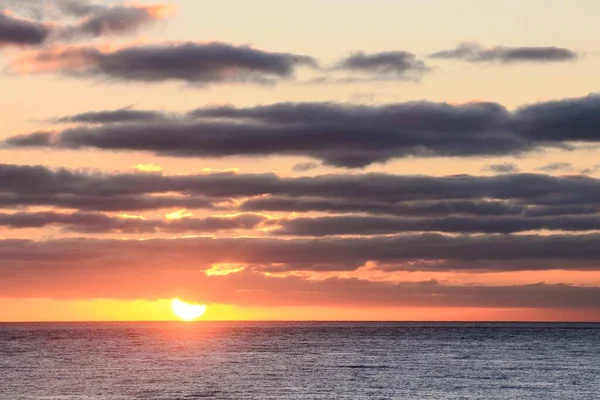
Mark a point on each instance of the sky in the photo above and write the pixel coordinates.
(314, 160)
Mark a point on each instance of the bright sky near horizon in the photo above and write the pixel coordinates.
(322, 159)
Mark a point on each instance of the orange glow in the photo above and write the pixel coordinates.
(130, 216)
(47, 310)
(51, 60)
(180, 214)
(160, 11)
(148, 168)
(220, 171)
(186, 311)
(225, 269)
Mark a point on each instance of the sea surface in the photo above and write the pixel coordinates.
(173, 361)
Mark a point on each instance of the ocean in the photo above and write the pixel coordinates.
(206, 360)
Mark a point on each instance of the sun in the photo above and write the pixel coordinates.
(187, 312)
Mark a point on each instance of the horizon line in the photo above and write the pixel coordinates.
(310, 321)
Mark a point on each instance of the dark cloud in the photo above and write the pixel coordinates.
(425, 252)
(36, 139)
(474, 52)
(99, 20)
(554, 167)
(93, 20)
(113, 116)
(21, 32)
(79, 8)
(420, 208)
(108, 203)
(574, 120)
(411, 209)
(524, 189)
(398, 64)
(101, 223)
(505, 168)
(350, 136)
(340, 135)
(543, 211)
(78, 222)
(342, 194)
(194, 63)
(373, 225)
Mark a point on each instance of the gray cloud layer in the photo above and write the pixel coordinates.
(423, 252)
(425, 208)
(554, 167)
(101, 223)
(341, 135)
(526, 189)
(374, 204)
(21, 32)
(474, 52)
(372, 225)
(194, 63)
(113, 116)
(100, 202)
(395, 64)
(99, 20)
(93, 20)
(85, 222)
(505, 168)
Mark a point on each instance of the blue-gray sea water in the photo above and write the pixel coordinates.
(172, 361)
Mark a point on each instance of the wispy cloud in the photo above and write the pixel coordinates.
(98, 223)
(193, 63)
(504, 168)
(391, 64)
(36, 23)
(99, 20)
(473, 52)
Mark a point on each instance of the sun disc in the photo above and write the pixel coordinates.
(186, 311)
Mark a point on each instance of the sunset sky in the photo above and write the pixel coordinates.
(300, 160)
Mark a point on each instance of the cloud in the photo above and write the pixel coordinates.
(303, 167)
(394, 64)
(342, 135)
(381, 194)
(53, 21)
(108, 203)
(193, 63)
(16, 31)
(417, 252)
(559, 166)
(101, 223)
(339, 135)
(377, 225)
(368, 204)
(505, 168)
(99, 20)
(574, 120)
(250, 288)
(591, 170)
(113, 116)
(524, 189)
(473, 52)
(412, 208)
